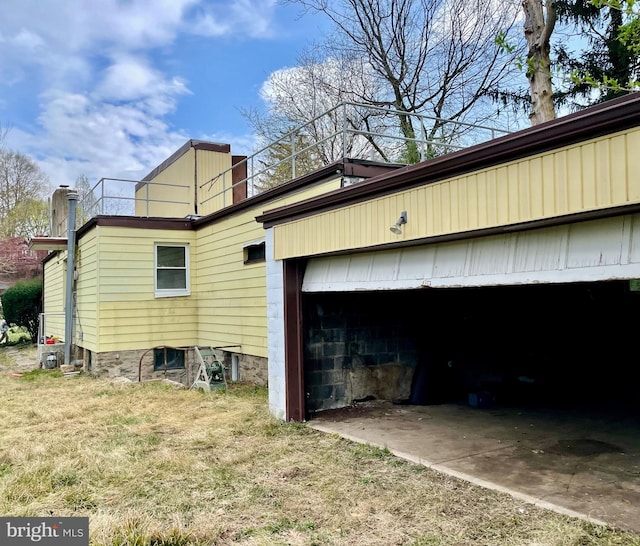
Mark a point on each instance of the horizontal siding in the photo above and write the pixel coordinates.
(181, 172)
(87, 292)
(53, 304)
(232, 297)
(129, 314)
(594, 175)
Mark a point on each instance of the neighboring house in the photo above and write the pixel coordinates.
(507, 271)
(18, 261)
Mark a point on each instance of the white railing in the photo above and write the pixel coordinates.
(303, 149)
(349, 130)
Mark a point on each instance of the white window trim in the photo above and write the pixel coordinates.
(172, 292)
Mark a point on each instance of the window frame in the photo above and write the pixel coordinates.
(172, 292)
(259, 244)
(179, 356)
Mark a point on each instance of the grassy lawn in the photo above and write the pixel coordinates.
(153, 465)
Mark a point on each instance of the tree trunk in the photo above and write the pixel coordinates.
(537, 31)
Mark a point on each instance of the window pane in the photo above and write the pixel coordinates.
(171, 256)
(172, 279)
(175, 359)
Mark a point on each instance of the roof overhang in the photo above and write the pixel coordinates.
(48, 243)
(605, 118)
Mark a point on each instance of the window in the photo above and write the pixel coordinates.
(254, 252)
(174, 359)
(172, 270)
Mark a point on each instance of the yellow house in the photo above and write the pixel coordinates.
(185, 270)
(507, 267)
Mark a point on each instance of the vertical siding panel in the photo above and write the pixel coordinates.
(560, 182)
(445, 199)
(633, 165)
(438, 222)
(419, 212)
(603, 175)
(524, 190)
(589, 185)
(430, 209)
(548, 186)
(454, 218)
(492, 198)
(502, 195)
(618, 169)
(471, 205)
(463, 203)
(513, 182)
(574, 179)
(536, 187)
(483, 213)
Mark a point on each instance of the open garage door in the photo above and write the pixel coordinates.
(588, 251)
(529, 318)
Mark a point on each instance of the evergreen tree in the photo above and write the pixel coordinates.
(602, 69)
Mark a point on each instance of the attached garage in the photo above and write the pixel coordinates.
(536, 317)
(513, 276)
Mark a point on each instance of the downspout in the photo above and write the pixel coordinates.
(68, 305)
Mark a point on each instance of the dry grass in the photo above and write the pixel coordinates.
(153, 465)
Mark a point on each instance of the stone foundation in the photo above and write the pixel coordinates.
(138, 364)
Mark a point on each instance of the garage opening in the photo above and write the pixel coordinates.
(563, 345)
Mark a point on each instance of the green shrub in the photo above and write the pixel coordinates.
(21, 305)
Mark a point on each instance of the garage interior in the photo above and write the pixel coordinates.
(551, 345)
(532, 389)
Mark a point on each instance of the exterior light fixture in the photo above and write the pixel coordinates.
(397, 227)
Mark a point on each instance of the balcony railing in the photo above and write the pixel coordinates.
(349, 130)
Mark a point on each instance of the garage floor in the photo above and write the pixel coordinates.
(581, 463)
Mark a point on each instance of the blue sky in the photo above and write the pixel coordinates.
(110, 88)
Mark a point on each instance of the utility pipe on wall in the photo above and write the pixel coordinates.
(68, 304)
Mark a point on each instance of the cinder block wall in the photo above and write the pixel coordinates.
(356, 350)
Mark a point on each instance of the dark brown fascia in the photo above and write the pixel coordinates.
(135, 222)
(350, 167)
(606, 118)
(192, 143)
(343, 167)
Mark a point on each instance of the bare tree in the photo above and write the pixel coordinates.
(540, 20)
(23, 191)
(434, 57)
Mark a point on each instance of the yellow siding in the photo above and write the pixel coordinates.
(598, 174)
(53, 305)
(177, 199)
(129, 314)
(215, 192)
(86, 328)
(232, 297)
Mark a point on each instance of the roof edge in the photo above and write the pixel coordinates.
(605, 118)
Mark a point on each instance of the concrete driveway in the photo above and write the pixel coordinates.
(581, 463)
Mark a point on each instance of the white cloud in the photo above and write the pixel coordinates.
(131, 79)
(102, 97)
(252, 18)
